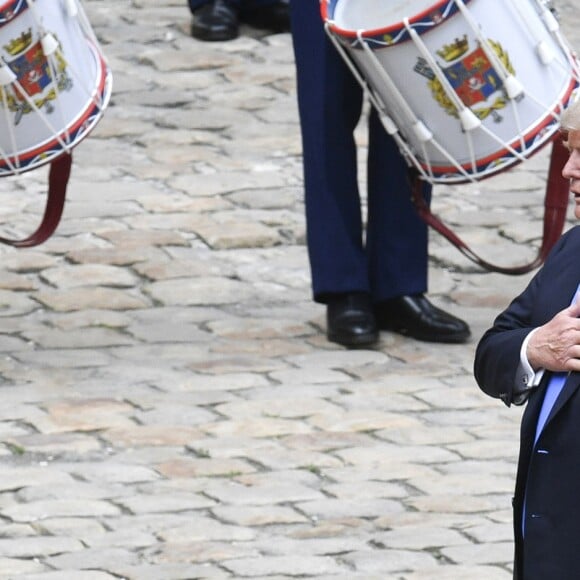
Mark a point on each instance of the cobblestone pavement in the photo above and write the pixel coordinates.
(170, 407)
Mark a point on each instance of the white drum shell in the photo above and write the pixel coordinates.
(56, 115)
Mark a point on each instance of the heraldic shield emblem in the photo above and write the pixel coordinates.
(34, 75)
(472, 76)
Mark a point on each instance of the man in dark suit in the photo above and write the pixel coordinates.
(369, 279)
(532, 353)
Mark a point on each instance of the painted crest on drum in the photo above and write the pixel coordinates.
(28, 62)
(472, 76)
(11, 10)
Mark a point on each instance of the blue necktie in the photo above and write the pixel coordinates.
(554, 388)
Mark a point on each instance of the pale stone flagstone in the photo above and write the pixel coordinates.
(171, 408)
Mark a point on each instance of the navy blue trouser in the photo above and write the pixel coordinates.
(393, 261)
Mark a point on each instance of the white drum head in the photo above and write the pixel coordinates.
(373, 14)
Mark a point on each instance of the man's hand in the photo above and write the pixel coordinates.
(555, 346)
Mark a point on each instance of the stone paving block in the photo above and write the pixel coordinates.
(73, 490)
(89, 414)
(200, 552)
(94, 559)
(204, 529)
(38, 547)
(103, 473)
(145, 504)
(188, 467)
(83, 528)
(38, 510)
(88, 318)
(362, 421)
(258, 516)
(488, 532)
(272, 544)
(367, 489)
(326, 509)
(385, 471)
(449, 572)
(223, 382)
(64, 358)
(13, 530)
(421, 538)
(171, 571)
(284, 406)
(469, 483)
(285, 459)
(387, 453)
(150, 435)
(389, 562)
(14, 478)
(328, 440)
(230, 492)
(262, 427)
(456, 503)
(75, 299)
(13, 567)
(233, 447)
(290, 565)
(69, 575)
(497, 552)
(427, 436)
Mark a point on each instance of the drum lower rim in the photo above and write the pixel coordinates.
(449, 173)
(43, 153)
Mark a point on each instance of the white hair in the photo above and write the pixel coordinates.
(571, 117)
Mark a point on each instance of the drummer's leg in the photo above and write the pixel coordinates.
(397, 238)
(330, 103)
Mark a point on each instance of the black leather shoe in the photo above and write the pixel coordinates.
(274, 17)
(216, 20)
(416, 317)
(350, 320)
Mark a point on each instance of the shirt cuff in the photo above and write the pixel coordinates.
(527, 376)
(526, 379)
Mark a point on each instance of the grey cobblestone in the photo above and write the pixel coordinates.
(171, 407)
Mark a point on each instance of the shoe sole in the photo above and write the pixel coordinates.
(358, 341)
(211, 37)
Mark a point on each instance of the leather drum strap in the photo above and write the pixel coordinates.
(555, 207)
(58, 178)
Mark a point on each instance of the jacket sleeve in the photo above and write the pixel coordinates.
(497, 357)
(497, 367)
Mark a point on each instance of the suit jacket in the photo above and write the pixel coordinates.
(548, 474)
